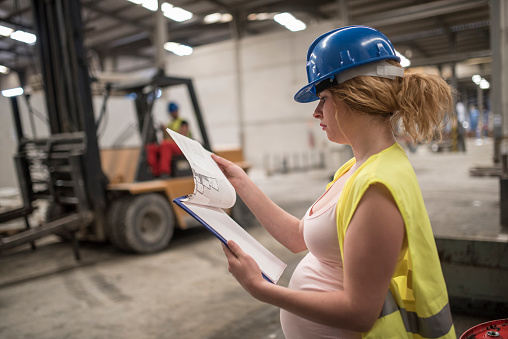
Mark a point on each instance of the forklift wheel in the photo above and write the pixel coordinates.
(111, 228)
(145, 223)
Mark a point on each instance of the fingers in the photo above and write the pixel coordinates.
(219, 160)
(227, 252)
(235, 249)
(230, 256)
(232, 249)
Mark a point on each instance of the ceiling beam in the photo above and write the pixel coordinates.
(417, 12)
(114, 15)
(446, 59)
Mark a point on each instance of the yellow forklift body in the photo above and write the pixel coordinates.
(119, 165)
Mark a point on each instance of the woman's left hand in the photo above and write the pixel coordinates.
(244, 268)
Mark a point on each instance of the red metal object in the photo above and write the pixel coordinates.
(495, 329)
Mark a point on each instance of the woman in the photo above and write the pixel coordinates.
(372, 269)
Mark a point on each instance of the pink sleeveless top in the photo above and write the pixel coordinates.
(320, 270)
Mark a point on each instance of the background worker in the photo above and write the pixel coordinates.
(372, 270)
(176, 124)
(160, 157)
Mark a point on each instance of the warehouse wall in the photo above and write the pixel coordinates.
(252, 100)
(271, 70)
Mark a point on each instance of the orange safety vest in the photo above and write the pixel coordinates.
(416, 305)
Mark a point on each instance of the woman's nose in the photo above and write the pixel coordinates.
(318, 112)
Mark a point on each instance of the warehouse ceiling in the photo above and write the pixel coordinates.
(428, 32)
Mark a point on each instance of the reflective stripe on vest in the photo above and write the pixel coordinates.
(432, 327)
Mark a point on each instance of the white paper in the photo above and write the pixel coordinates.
(212, 193)
(211, 185)
(271, 266)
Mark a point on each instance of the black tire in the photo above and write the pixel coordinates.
(145, 223)
(242, 214)
(112, 217)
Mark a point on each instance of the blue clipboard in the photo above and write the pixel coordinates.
(180, 204)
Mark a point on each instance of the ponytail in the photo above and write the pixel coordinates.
(417, 103)
(424, 101)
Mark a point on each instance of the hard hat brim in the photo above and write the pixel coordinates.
(307, 93)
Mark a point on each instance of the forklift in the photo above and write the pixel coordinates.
(96, 194)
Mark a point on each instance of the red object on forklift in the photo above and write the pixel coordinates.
(492, 329)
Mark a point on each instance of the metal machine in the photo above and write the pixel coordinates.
(94, 194)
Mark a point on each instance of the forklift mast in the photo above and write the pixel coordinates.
(67, 85)
(64, 169)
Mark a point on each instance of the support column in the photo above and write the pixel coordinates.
(481, 115)
(499, 47)
(237, 30)
(160, 37)
(499, 88)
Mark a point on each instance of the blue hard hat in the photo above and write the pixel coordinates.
(340, 50)
(172, 107)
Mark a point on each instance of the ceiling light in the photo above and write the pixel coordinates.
(4, 70)
(170, 11)
(217, 17)
(481, 82)
(152, 5)
(6, 31)
(260, 16)
(12, 92)
(25, 37)
(226, 17)
(212, 18)
(484, 84)
(177, 48)
(175, 13)
(289, 21)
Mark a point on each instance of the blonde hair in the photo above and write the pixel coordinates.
(419, 103)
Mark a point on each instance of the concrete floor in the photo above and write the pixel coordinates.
(186, 291)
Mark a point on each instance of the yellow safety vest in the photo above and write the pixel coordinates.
(175, 126)
(416, 304)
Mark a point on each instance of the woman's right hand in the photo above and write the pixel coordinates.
(235, 174)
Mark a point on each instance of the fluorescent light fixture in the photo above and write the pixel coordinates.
(12, 92)
(226, 17)
(289, 21)
(6, 31)
(481, 82)
(404, 62)
(152, 5)
(217, 17)
(175, 13)
(4, 70)
(260, 16)
(25, 37)
(212, 18)
(170, 11)
(177, 48)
